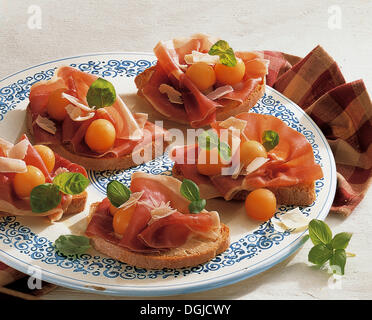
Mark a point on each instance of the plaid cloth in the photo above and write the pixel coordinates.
(343, 111)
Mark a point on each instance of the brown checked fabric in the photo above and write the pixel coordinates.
(343, 111)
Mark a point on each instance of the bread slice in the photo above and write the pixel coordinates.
(230, 107)
(106, 162)
(193, 252)
(298, 195)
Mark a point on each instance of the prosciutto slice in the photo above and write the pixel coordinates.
(290, 163)
(198, 109)
(171, 231)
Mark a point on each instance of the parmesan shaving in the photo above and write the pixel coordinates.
(196, 56)
(293, 220)
(76, 102)
(174, 95)
(162, 211)
(255, 164)
(77, 114)
(12, 165)
(5, 146)
(133, 199)
(46, 124)
(236, 123)
(19, 150)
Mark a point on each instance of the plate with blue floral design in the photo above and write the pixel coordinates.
(26, 244)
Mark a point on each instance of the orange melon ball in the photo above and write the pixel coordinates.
(47, 155)
(250, 150)
(122, 218)
(230, 75)
(100, 135)
(24, 182)
(260, 204)
(202, 75)
(57, 104)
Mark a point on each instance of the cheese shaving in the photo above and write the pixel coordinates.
(236, 123)
(76, 102)
(196, 56)
(255, 164)
(162, 211)
(46, 124)
(77, 114)
(133, 199)
(293, 220)
(8, 165)
(174, 95)
(19, 150)
(5, 146)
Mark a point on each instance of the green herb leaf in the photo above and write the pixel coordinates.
(222, 49)
(197, 205)
(338, 261)
(208, 139)
(71, 182)
(117, 193)
(319, 232)
(190, 190)
(45, 197)
(270, 139)
(225, 151)
(72, 244)
(101, 94)
(341, 240)
(320, 254)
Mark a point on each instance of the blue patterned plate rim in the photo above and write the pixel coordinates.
(187, 287)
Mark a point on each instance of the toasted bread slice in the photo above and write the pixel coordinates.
(105, 162)
(298, 195)
(193, 252)
(230, 107)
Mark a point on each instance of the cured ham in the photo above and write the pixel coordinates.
(145, 234)
(290, 163)
(10, 203)
(131, 129)
(199, 109)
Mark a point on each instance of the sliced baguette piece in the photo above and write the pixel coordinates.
(298, 195)
(193, 252)
(103, 163)
(230, 107)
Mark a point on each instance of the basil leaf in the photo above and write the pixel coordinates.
(190, 190)
(208, 140)
(71, 182)
(270, 139)
(225, 151)
(222, 49)
(101, 94)
(45, 197)
(338, 261)
(117, 193)
(319, 232)
(72, 244)
(341, 240)
(319, 254)
(197, 205)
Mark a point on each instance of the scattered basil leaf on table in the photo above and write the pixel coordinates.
(222, 49)
(328, 248)
(190, 191)
(71, 182)
(101, 94)
(270, 139)
(117, 193)
(72, 244)
(45, 197)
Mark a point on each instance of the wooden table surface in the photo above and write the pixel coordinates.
(343, 28)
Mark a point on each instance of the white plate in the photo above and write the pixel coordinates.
(26, 244)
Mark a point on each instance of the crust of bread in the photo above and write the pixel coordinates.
(298, 195)
(230, 107)
(193, 252)
(77, 204)
(103, 163)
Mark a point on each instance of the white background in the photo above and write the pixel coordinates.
(72, 27)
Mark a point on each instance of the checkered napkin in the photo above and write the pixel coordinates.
(343, 111)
